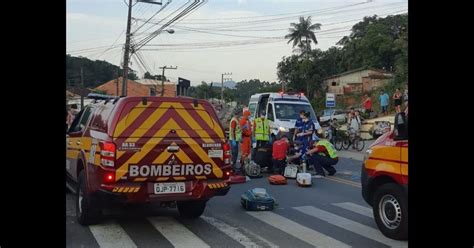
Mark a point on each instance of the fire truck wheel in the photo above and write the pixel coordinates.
(191, 209)
(390, 209)
(85, 211)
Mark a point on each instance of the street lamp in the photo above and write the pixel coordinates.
(170, 31)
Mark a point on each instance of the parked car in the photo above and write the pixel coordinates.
(380, 128)
(329, 114)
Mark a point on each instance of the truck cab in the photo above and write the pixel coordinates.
(384, 179)
(132, 150)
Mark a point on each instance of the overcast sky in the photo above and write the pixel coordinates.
(244, 37)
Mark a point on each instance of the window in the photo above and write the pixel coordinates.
(333, 84)
(288, 111)
(270, 112)
(252, 107)
(80, 121)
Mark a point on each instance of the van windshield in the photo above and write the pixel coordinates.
(290, 111)
(252, 108)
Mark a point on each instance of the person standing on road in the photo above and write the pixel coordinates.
(397, 100)
(235, 136)
(262, 130)
(298, 125)
(308, 128)
(279, 151)
(246, 130)
(323, 155)
(383, 102)
(333, 127)
(354, 125)
(367, 104)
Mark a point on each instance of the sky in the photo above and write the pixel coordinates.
(242, 37)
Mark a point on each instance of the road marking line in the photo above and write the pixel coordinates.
(235, 234)
(176, 233)
(350, 225)
(111, 235)
(306, 234)
(355, 208)
(340, 180)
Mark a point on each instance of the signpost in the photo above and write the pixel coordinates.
(330, 100)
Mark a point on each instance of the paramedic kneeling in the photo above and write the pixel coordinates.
(279, 150)
(323, 155)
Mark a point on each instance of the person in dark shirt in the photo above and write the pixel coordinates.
(299, 124)
(295, 153)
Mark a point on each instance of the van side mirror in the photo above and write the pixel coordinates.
(401, 126)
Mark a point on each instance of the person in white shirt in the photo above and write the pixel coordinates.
(355, 123)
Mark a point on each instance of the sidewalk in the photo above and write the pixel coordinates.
(352, 154)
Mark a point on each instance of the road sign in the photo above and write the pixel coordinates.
(330, 100)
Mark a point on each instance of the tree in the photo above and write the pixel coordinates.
(95, 72)
(302, 34)
(155, 77)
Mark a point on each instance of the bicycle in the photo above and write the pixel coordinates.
(338, 139)
(355, 140)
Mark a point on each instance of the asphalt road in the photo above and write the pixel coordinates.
(331, 213)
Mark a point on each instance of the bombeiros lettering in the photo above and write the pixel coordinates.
(169, 170)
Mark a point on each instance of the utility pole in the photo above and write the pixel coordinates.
(163, 77)
(222, 86)
(127, 50)
(82, 86)
(117, 81)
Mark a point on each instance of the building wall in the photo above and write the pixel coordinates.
(355, 77)
(359, 81)
(135, 89)
(369, 84)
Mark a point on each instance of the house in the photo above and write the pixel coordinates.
(155, 87)
(358, 80)
(135, 88)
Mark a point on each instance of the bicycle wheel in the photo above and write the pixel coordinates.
(359, 144)
(346, 144)
(338, 143)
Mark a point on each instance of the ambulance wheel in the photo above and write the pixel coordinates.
(390, 209)
(191, 209)
(85, 212)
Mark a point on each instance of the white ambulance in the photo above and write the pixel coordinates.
(281, 110)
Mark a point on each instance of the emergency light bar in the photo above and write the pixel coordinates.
(96, 96)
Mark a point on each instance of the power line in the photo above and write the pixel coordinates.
(163, 7)
(336, 11)
(196, 4)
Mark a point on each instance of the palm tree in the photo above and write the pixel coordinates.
(302, 33)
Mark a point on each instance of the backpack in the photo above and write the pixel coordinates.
(252, 169)
(257, 199)
(277, 179)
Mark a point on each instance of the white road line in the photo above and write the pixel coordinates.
(306, 234)
(350, 225)
(111, 235)
(235, 234)
(176, 233)
(355, 208)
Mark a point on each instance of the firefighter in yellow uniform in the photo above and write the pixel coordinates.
(235, 137)
(262, 130)
(323, 155)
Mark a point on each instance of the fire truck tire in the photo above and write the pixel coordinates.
(191, 209)
(86, 213)
(390, 209)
